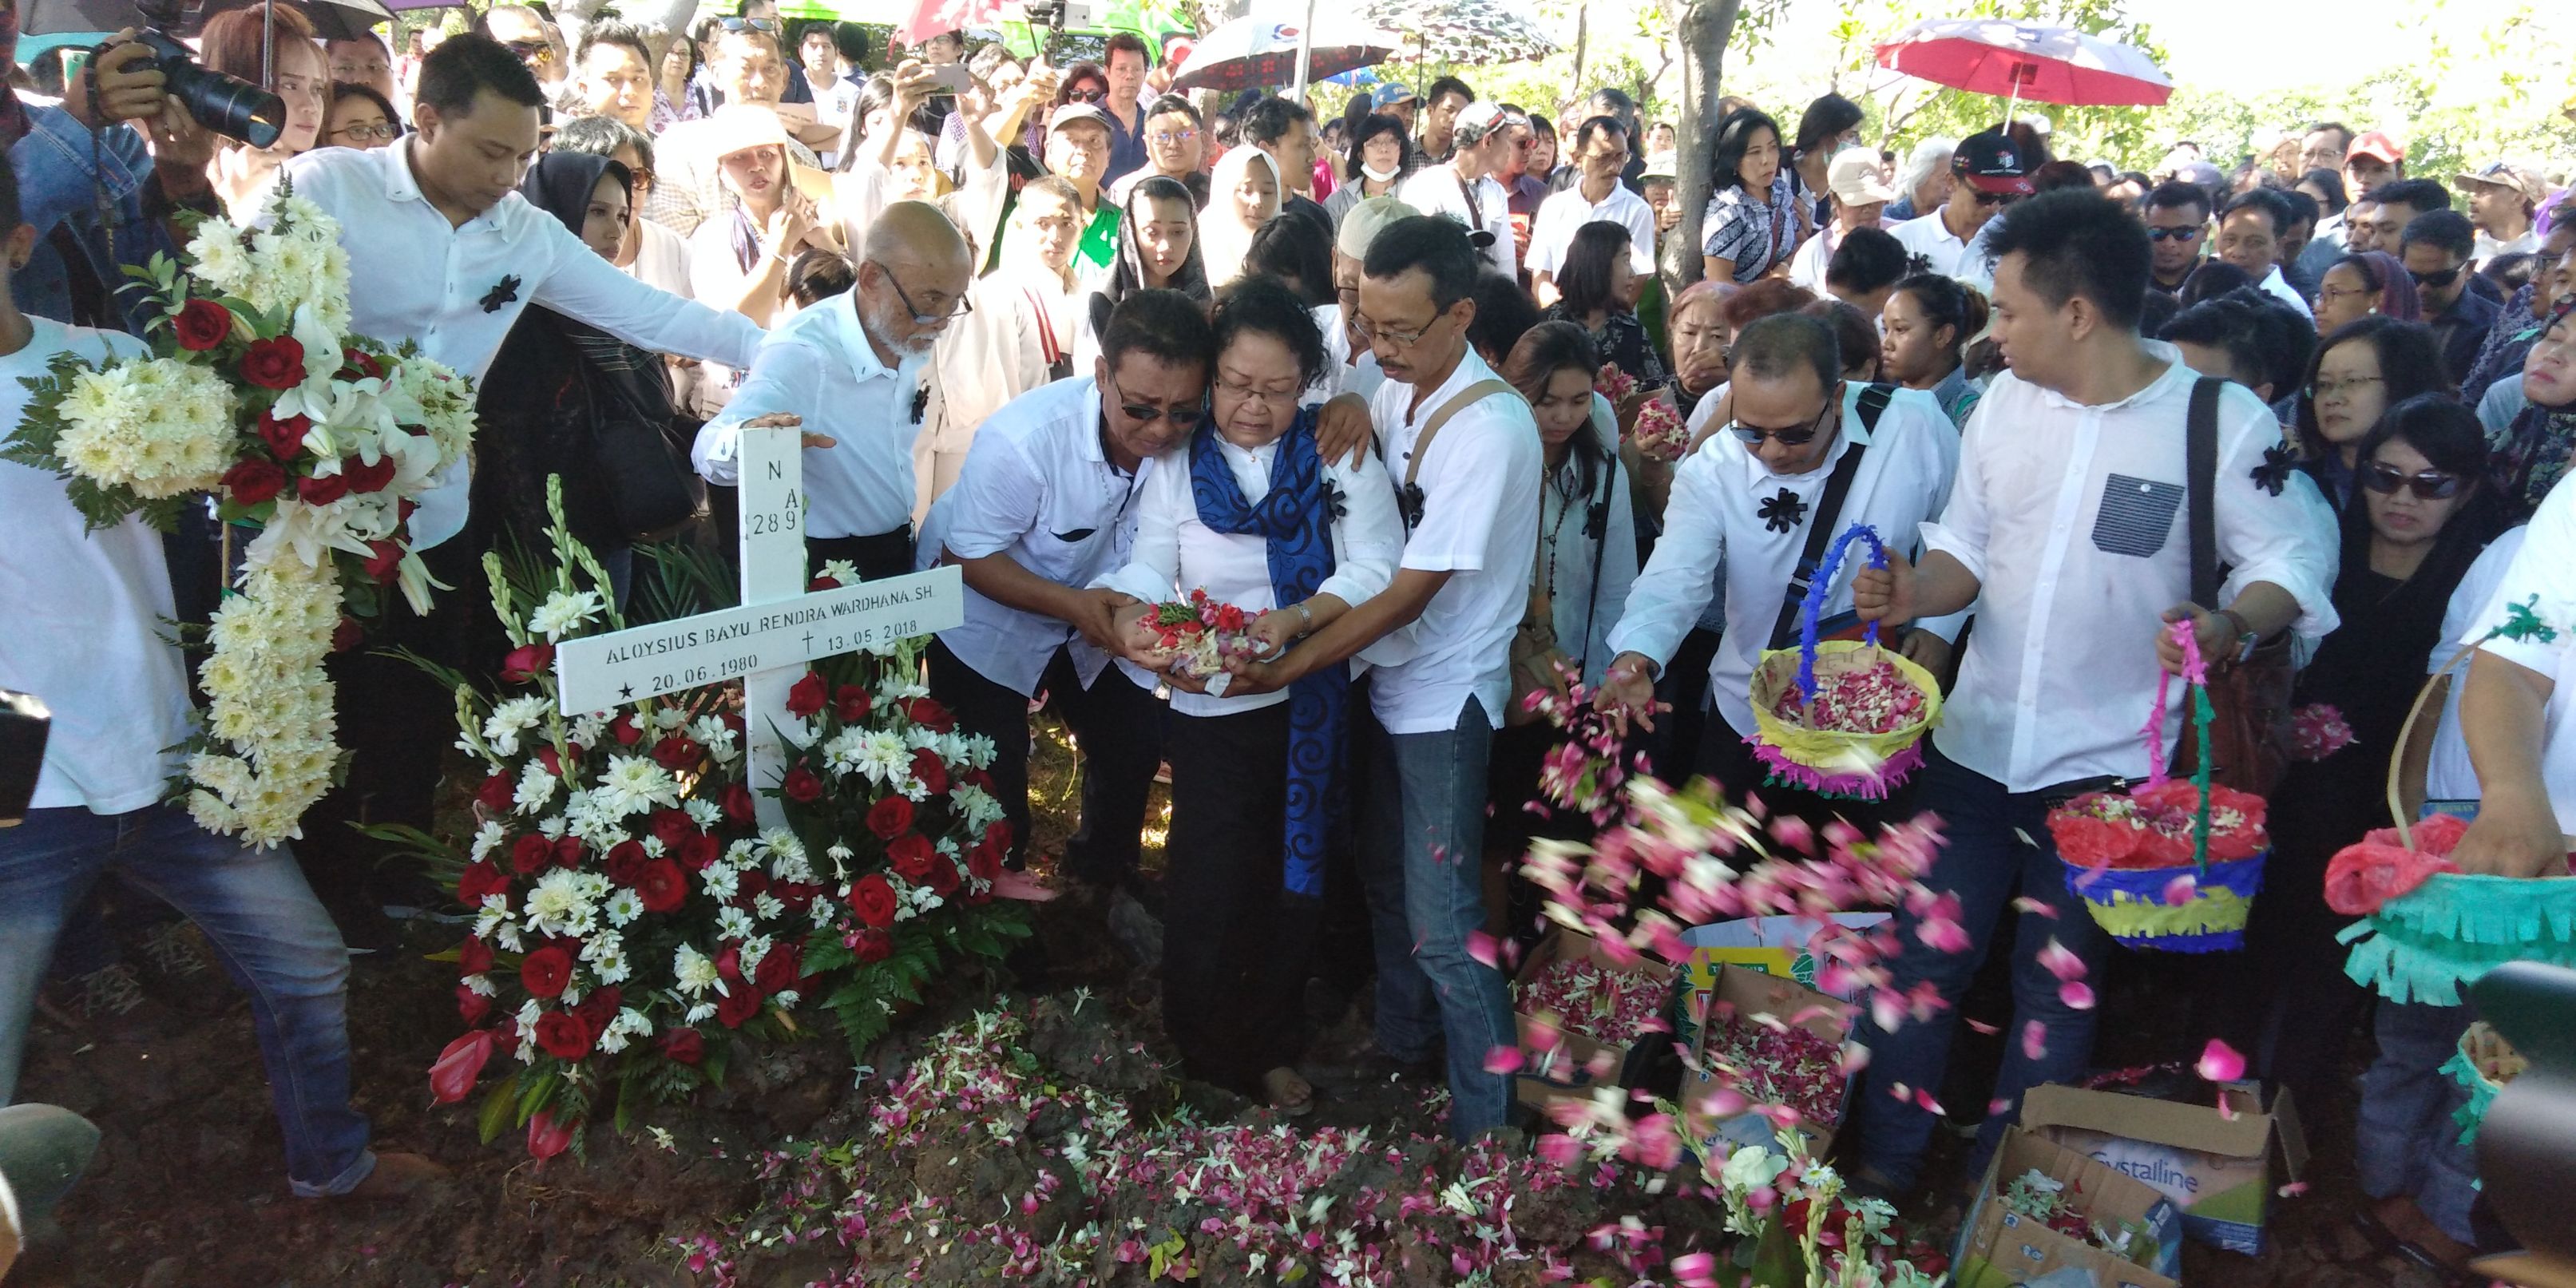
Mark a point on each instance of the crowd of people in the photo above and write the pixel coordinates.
(1097, 344)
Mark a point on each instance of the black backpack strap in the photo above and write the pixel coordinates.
(1873, 404)
(2200, 452)
(1820, 531)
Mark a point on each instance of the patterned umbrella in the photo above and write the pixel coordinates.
(1463, 31)
(1257, 52)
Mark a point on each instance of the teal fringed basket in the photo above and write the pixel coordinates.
(2429, 944)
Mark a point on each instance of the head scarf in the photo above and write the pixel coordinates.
(1227, 240)
(1127, 266)
(2397, 298)
(560, 184)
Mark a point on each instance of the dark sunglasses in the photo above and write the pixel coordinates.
(1798, 437)
(1183, 419)
(2438, 280)
(2431, 485)
(2172, 234)
(1998, 198)
(1085, 95)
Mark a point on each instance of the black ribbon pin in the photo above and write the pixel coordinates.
(502, 292)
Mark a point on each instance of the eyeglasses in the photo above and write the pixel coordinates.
(2324, 389)
(1368, 330)
(1798, 437)
(1085, 95)
(2191, 233)
(1172, 138)
(1183, 419)
(366, 133)
(1284, 399)
(755, 24)
(2431, 485)
(2328, 294)
(964, 305)
(1998, 198)
(2438, 280)
(533, 51)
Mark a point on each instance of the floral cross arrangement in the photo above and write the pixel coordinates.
(319, 439)
(2037, 1196)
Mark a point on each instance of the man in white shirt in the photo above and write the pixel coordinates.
(2525, 756)
(1600, 153)
(1463, 188)
(1989, 175)
(1808, 455)
(2067, 528)
(86, 618)
(1044, 506)
(2504, 206)
(1018, 336)
(2250, 235)
(849, 370)
(1350, 362)
(444, 253)
(614, 74)
(1859, 198)
(1471, 507)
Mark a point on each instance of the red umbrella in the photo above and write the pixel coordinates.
(2020, 61)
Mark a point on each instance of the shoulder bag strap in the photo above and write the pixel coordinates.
(1408, 494)
(2201, 463)
(1596, 525)
(1820, 532)
(1873, 404)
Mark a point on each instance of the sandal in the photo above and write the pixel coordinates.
(1284, 1091)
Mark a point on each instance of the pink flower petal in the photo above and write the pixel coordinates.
(1503, 1059)
(1998, 1105)
(1989, 1030)
(2034, 1040)
(1695, 1270)
(1481, 947)
(2061, 961)
(2220, 1062)
(2035, 907)
(2077, 994)
(2181, 890)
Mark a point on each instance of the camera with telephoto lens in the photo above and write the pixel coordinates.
(228, 105)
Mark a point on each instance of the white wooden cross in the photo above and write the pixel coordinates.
(777, 630)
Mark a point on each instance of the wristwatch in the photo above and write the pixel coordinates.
(2246, 639)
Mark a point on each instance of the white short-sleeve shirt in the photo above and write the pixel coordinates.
(1565, 213)
(2543, 573)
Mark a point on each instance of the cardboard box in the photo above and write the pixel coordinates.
(1743, 992)
(2221, 1171)
(1999, 1248)
(1771, 945)
(1567, 1071)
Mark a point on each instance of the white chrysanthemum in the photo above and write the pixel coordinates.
(158, 427)
(502, 728)
(700, 1013)
(536, 787)
(507, 938)
(768, 906)
(721, 882)
(692, 972)
(219, 259)
(734, 923)
(481, 986)
(883, 758)
(702, 811)
(623, 908)
(667, 719)
(635, 783)
(754, 948)
(489, 837)
(563, 611)
(563, 901)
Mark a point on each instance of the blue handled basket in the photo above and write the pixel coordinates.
(1833, 762)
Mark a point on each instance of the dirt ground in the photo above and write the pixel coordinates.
(189, 1192)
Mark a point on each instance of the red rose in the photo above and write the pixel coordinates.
(202, 325)
(274, 364)
(598, 1010)
(321, 489)
(527, 662)
(983, 862)
(473, 957)
(801, 785)
(367, 478)
(530, 854)
(252, 480)
(779, 970)
(738, 1005)
(749, 884)
(384, 560)
(930, 769)
(553, 760)
(943, 876)
(873, 900)
(628, 733)
(979, 778)
(890, 818)
(930, 715)
(729, 962)
(737, 802)
(567, 851)
(480, 878)
(698, 851)
(821, 583)
(495, 794)
(850, 702)
(546, 971)
(806, 697)
(561, 1034)
(663, 886)
(1229, 618)
(678, 754)
(795, 894)
(911, 855)
(671, 826)
(285, 438)
(684, 1045)
(347, 635)
(546, 1137)
(998, 835)
(358, 364)
(471, 1006)
(626, 861)
(870, 945)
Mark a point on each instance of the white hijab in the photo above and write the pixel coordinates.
(1223, 235)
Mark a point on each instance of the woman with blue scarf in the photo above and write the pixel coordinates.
(1248, 512)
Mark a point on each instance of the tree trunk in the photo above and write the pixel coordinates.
(1701, 31)
(1582, 40)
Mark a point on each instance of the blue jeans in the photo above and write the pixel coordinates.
(2405, 1142)
(266, 927)
(1997, 846)
(1422, 843)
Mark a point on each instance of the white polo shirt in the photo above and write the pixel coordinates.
(820, 366)
(1480, 487)
(2279, 288)
(2545, 568)
(1565, 213)
(2448, 775)
(1949, 256)
(86, 613)
(2073, 519)
(1727, 518)
(1437, 191)
(1036, 486)
(456, 289)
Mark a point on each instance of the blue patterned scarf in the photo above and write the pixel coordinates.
(1295, 518)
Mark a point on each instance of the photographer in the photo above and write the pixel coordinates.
(64, 157)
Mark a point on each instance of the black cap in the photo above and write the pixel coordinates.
(1988, 162)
